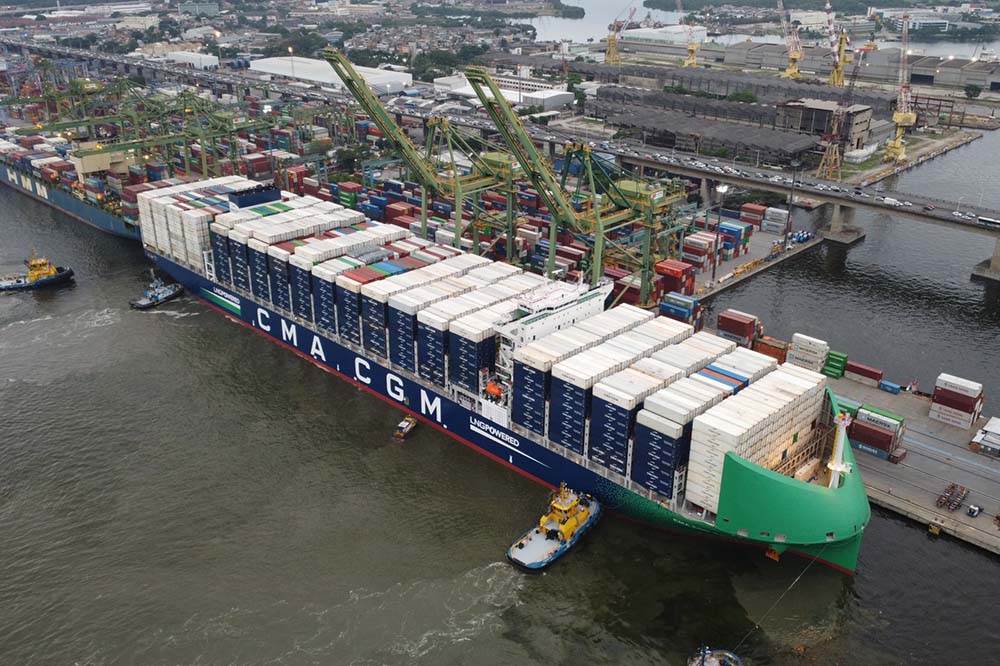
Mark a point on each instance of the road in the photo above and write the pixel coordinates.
(975, 218)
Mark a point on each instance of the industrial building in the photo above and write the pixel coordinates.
(382, 81)
(672, 129)
(195, 60)
(668, 34)
(516, 89)
(814, 116)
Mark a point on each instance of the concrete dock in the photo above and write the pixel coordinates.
(937, 455)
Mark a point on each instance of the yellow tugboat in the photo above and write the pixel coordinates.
(41, 273)
(570, 516)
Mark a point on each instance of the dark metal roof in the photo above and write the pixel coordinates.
(673, 122)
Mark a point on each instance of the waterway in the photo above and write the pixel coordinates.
(594, 27)
(175, 489)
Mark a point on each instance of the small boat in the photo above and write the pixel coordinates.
(157, 293)
(41, 273)
(570, 516)
(404, 428)
(707, 656)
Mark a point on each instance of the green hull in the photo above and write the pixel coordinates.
(775, 512)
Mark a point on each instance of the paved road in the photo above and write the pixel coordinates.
(983, 220)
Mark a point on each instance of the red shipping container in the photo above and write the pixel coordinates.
(872, 435)
(737, 324)
(864, 370)
(955, 400)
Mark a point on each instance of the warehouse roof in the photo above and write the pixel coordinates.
(730, 133)
(320, 71)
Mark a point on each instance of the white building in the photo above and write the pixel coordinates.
(382, 81)
(196, 60)
(669, 34)
(808, 20)
(138, 22)
(549, 100)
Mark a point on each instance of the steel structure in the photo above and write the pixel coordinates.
(611, 54)
(490, 170)
(904, 116)
(603, 207)
(791, 35)
(691, 59)
(831, 165)
(838, 49)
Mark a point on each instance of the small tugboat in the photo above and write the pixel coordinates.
(404, 428)
(570, 516)
(157, 293)
(707, 656)
(41, 273)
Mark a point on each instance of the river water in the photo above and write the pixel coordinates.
(177, 490)
(594, 27)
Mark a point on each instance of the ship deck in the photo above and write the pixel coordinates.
(937, 455)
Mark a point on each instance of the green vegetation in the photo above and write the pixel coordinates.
(744, 96)
(565, 11)
(984, 33)
(303, 43)
(769, 199)
(568, 11)
(973, 91)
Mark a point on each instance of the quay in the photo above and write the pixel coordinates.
(937, 455)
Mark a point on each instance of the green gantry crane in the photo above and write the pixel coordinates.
(490, 170)
(607, 205)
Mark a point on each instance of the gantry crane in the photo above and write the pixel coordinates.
(831, 165)
(691, 60)
(791, 35)
(612, 56)
(490, 171)
(904, 116)
(608, 208)
(838, 49)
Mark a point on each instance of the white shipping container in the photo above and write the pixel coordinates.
(958, 385)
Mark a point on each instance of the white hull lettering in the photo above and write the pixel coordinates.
(316, 349)
(430, 407)
(263, 316)
(362, 377)
(394, 388)
(289, 333)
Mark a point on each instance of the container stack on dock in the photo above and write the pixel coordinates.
(683, 308)
(775, 221)
(809, 353)
(864, 374)
(836, 364)
(740, 327)
(957, 402)
(877, 432)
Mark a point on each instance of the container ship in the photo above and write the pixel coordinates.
(681, 430)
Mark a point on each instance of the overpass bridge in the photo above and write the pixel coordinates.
(845, 199)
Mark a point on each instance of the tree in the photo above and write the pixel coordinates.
(744, 96)
(972, 91)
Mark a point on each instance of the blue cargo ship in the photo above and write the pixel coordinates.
(428, 347)
(63, 200)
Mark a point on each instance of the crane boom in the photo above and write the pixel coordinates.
(904, 116)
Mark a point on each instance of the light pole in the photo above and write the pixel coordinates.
(721, 189)
(291, 60)
(218, 47)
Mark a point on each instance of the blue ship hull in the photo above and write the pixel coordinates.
(63, 201)
(433, 405)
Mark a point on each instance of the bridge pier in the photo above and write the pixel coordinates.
(989, 269)
(841, 229)
(706, 193)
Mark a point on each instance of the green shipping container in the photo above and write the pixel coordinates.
(886, 414)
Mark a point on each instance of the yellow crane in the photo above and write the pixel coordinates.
(692, 46)
(904, 116)
(838, 49)
(611, 54)
(791, 35)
